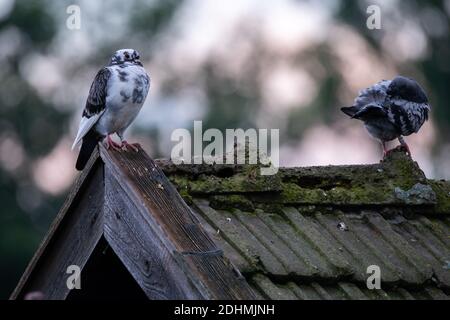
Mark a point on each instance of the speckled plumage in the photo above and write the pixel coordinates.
(127, 89)
(391, 109)
(115, 98)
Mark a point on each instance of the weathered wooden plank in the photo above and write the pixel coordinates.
(71, 239)
(138, 245)
(175, 225)
(152, 188)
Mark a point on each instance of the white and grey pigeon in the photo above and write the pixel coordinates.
(115, 98)
(391, 109)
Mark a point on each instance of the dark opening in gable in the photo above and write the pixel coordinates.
(104, 277)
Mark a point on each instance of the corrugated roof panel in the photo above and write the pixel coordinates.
(240, 238)
(376, 239)
(232, 253)
(304, 248)
(270, 290)
(350, 241)
(273, 243)
(399, 244)
(435, 293)
(342, 290)
(405, 295)
(377, 294)
(428, 240)
(324, 241)
(352, 291)
(311, 245)
(328, 293)
(324, 248)
(304, 292)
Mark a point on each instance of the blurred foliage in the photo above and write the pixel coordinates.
(26, 212)
(25, 117)
(151, 19)
(34, 20)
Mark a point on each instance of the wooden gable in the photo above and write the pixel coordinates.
(124, 218)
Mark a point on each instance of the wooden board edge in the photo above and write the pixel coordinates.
(79, 182)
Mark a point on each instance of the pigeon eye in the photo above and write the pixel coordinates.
(127, 56)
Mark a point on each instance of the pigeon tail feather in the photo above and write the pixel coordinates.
(350, 111)
(370, 112)
(88, 145)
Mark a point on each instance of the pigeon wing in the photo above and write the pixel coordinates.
(407, 116)
(370, 102)
(374, 95)
(95, 104)
(408, 105)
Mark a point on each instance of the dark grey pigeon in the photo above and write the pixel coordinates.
(115, 99)
(391, 109)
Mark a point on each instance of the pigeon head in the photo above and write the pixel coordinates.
(407, 89)
(123, 56)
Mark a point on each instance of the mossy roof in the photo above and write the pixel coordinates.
(311, 233)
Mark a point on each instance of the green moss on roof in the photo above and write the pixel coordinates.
(442, 191)
(232, 202)
(396, 181)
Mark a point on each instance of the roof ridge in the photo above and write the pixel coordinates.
(397, 181)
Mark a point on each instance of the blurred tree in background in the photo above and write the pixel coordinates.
(270, 64)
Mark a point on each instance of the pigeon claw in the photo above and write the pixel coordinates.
(110, 144)
(388, 152)
(126, 146)
(403, 148)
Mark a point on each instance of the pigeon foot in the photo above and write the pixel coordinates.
(402, 148)
(126, 146)
(110, 144)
